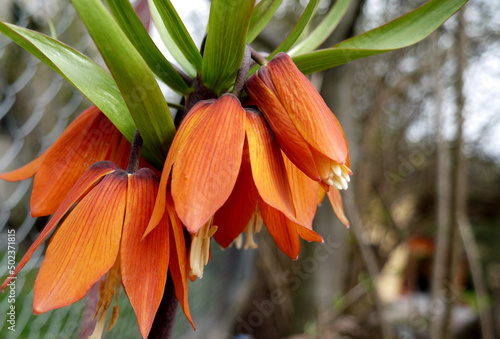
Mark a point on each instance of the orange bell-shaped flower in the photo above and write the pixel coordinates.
(102, 222)
(90, 138)
(307, 131)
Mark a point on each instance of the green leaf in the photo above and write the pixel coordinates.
(83, 73)
(133, 77)
(169, 43)
(399, 33)
(130, 23)
(178, 32)
(323, 30)
(262, 13)
(297, 30)
(226, 41)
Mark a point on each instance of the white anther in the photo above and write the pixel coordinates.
(336, 169)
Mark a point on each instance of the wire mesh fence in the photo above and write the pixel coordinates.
(36, 105)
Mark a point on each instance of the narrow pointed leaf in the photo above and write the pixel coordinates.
(226, 41)
(88, 77)
(262, 13)
(323, 30)
(399, 33)
(130, 23)
(297, 30)
(178, 32)
(169, 42)
(133, 77)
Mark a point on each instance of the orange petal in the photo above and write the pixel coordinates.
(268, 169)
(144, 264)
(85, 142)
(178, 265)
(234, 215)
(188, 125)
(283, 231)
(81, 188)
(336, 202)
(308, 234)
(288, 137)
(25, 172)
(307, 109)
(321, 196)
(323, 163)
(84, 247)
(304, 193)
(208, 162)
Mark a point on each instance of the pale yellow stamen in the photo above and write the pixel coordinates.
(254, 226)
(346, 172)
(238, 242)
(200, 248)
(108, 287)
(339, 176)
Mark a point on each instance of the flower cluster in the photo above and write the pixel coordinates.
(230, 169)
(234, 167)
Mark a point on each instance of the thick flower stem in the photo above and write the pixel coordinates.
(187, 79)
(135, 153)
(200, 93)
(258, 57)
(163, 325)
(242, 73)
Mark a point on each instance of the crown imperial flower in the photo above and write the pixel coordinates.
(102, 222)
(90, 138)
(306, 130)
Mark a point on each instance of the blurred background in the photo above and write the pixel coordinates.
(421, 258)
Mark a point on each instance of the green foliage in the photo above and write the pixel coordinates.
(88, 77)
(297, 30)
(262, 13)
(402, 32)
(131, 98)
(178, 32)
(135, 31)
(133, 77)
(226, 41)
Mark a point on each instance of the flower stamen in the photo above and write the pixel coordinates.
(339, 176)
(200, 248)
(108, 287)
(253, 227)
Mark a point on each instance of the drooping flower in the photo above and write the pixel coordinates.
(102, 222)
(307, 131)
(90, 138)
(222, 148)
(265, 170)
(201, 168)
